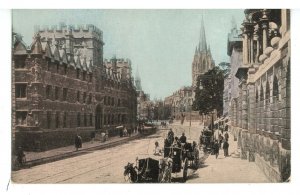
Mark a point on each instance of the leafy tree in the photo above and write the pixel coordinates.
(226, 68)
(209, 92)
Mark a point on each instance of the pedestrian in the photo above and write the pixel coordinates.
(220, 140)
(176, 142)
(225, 148)
(216, 148)
(77, 142)
(157, 150)
(20, 156)
(171, 136)
(182, 139)
(226, 136)
(93, 135)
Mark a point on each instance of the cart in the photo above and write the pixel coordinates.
(149, 170)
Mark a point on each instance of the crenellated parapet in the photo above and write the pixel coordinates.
(62, 29)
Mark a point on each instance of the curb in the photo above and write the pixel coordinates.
(49, 159)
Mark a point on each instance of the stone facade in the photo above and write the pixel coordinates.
(181, 102)
(262, 108)
(234, 51)
(143, 100)
(60, 88)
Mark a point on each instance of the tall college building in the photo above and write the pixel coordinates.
(61, 86)
(261, 112)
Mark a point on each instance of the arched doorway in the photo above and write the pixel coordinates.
(98, 117)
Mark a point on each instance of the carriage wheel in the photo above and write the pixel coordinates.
(185, 168)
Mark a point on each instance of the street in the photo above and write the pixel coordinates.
(107, 166)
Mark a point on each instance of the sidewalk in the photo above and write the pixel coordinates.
(36, 158)
(230, 169)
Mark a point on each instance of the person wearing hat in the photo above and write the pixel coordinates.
(182, 139)
(216, 148)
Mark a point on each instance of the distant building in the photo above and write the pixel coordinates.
(143, 100)
(181, 102)
(61, 87)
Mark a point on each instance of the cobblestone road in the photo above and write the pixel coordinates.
(107, 166)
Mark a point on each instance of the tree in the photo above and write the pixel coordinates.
(209, 92)
(226, 68)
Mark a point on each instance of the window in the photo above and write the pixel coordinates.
(119, 102)
(90, 99)
(56, 93)
(108, 101)
(65, 94)
(65, 69)
(57, 120)
(21, 117)
(105, 100)
(91, 119)
(261, 93)
(267, 92)
(112, 101)
(90, 77)
(19, 63)
(84, 97)
(84, 75)
(108, 120)
(57, 67)
(78, 96)
(48, 92)
(77, 73)
(48, 65)
(78, 119)
(256, 96)
(85, 119)
(112, 119)
(48, 120)
(65, 120)
(21, 90)
(105, 120)
(275, 88)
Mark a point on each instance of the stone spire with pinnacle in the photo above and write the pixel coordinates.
(202, 41)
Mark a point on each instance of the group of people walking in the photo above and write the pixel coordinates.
(221, 142)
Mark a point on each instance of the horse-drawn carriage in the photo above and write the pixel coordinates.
(206, 139)
(151, 170)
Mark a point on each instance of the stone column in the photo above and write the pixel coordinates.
(265, 26)
(244, 105)
(245, 49)
(251, 107)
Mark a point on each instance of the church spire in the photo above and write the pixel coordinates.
(202, 42)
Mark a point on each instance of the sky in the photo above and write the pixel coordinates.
(160, 43)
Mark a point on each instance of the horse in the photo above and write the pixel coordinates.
(131, 173)
(166, 165)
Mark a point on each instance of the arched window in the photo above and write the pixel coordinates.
(78, 119)
(275, 88)
(256, 96)
(261, 93)
(267, 91)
